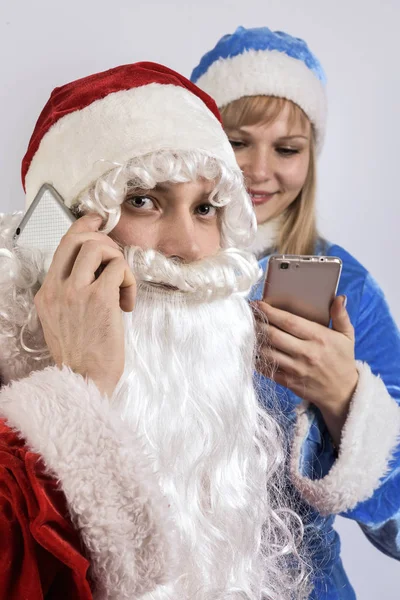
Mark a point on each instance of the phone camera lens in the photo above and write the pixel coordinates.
(284, 265)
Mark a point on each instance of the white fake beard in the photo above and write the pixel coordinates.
(188, 390)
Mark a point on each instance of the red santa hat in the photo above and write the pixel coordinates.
(114, 116)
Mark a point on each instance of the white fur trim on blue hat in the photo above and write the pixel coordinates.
(254, 62)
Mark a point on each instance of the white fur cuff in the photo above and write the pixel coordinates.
(110, 488)
(369, 438)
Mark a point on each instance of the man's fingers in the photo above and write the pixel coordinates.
(67, 251)
(69, 248)
(89, 222)
(91, 256)
(118, 274)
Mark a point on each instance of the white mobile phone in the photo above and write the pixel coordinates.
(303, 285)
(45, 222)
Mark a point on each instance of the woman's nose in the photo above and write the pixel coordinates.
(258, 168)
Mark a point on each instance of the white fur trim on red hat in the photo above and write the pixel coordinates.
(85, 144)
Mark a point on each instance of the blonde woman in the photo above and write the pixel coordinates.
(338, 387)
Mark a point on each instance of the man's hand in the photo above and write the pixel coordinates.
(315, 362)
(81, 315)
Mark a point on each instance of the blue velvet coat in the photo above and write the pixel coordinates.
(378, 344)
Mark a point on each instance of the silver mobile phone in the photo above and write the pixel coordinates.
(303, 285)
(45, 222)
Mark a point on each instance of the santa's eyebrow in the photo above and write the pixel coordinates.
(163, 187)
(137, 189)
(168, 187)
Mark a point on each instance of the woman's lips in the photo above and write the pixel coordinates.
(260, 197)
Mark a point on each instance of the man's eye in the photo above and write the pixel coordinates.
(236, 145)
(206, 210)
(143, 202)
(287, 151)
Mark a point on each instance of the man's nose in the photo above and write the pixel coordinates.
(178, 239)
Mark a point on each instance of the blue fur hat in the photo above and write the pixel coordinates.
(258, 61)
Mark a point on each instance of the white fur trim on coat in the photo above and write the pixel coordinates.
(268, 73)
(85, 144)
(266, 237)
(369, 438)
(112, 493)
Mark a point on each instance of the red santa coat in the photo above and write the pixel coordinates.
(110, 520)
(41, 554)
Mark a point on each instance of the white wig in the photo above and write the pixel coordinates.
(145, 172)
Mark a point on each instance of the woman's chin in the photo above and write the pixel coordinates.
(264, 214)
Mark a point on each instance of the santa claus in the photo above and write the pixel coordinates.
(135, 460)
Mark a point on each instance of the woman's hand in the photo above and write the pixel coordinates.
(315, 362)
(81, 315)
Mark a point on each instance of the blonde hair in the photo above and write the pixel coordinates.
(298, 232)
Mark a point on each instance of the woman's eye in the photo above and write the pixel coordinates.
(287, 151)
(236, 145)
(143, 202)
(206, 210)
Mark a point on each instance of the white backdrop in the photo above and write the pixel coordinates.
(46, 43)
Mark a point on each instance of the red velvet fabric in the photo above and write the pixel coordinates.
(79, 94)
(40, 551)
